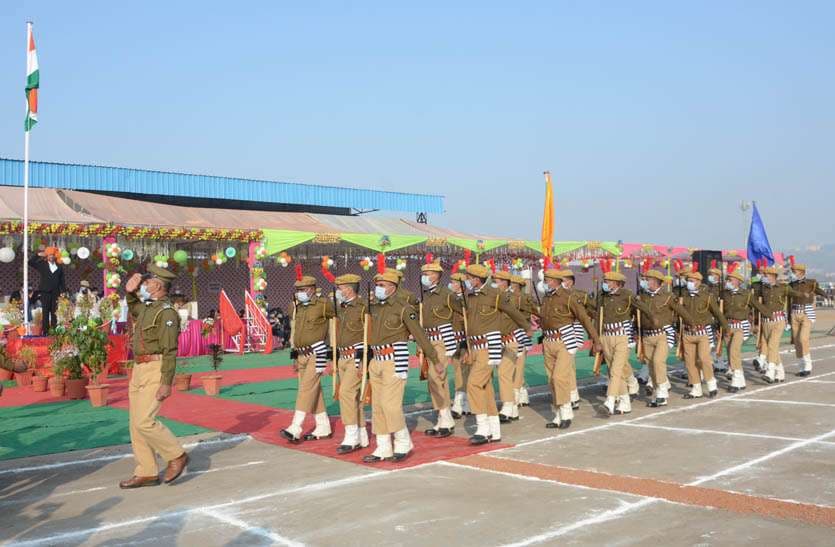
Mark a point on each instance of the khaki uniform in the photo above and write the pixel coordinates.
(773, 309)
(618, 309)
(582, 298)
(438, 309)
(507, 367)
(156, 328)
(310, 326)
(702, 310)
(800, 322)
(349, 318)
(560, 309)
(736, 307)
(525, 304)
(460, 364)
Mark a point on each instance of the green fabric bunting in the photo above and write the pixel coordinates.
(473, 244)
(276, 241)
(383, 243)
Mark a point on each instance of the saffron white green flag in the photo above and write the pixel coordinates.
(33, 80)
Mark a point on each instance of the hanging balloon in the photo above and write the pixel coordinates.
(231, 252)
(65, 260)
(161, 261)
(180, 256)
(6, 255)
(83, 253)
(127, 254)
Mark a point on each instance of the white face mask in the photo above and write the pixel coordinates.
(605, 287)
(450, 287)
(494, 285)
(729, 286)
(340, 297)
(691, 286)
(468, 284)
(565, 285)
(766, 280)
(380, 293)
(303, 297)
(143, 293)
(793, 276)
(425, 281)
(542, 287)
(644, 284)
(713, 279)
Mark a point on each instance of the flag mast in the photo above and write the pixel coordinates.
(26, 193)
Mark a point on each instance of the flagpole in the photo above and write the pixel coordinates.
(26, 201)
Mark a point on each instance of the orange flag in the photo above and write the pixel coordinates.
(547, 240)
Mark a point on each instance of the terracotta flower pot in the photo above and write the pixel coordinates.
(102, 377)
(98, 394)
(39, 384)
(182, 382)
(5, 374)
(23, 378)
(56, 386)
(211, 384)
(75, 388)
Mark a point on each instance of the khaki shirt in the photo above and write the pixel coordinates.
(617, 307)
(310, 321)
(439, 307)
(561, 308)
(659, 309)
(486, 309)
(702, 308)
(349, 321)
(392, 321)
(736, 305)
(156, 330)
(807, 288)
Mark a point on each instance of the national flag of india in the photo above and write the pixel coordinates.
(32, 82)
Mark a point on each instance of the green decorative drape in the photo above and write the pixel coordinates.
(473, 244)
(383, 243)
(276, 241)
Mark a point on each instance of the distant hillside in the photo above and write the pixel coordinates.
(820, 260)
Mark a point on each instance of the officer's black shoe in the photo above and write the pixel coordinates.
(712, 394)
(343, 449)
(804, 373)
(290, 437)
(399, 456)
(477, 440)
(733, 389)
(504, 419)
(371, 458)
(656, 403)
(456, 415)
(552, 425)
(312, 437)
(431, 432)
(565, 424)
(445, 432)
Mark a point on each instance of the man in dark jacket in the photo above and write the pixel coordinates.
(51, 285)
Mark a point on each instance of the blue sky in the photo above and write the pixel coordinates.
(656, 118)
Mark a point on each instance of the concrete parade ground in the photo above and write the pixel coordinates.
(754, 467)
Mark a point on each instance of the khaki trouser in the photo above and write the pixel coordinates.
(148, 437)
(349, 391)
(480, 392)
(735, 349)
(309, 396)
(801, 333)
(772, 331)
(386, 398)
(697, 357)
(616, 352)
(462, 371)
(559, 371)
(656, 351)
(506, 370)
(519, 371)
(438, 385)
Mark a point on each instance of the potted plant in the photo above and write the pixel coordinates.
(182, 380)
(91, 341)
(211, 382)
(4, 374)
(39, 382)
(60, 363)
(28, 357)
(67, 362)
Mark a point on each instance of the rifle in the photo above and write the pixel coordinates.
(365, 397)
(464, 316)
(334, 350)
(539, 303)
(424, 362)
(293, 353)
(639, 345)
(598, 356)
(680, 343)
(719, 336)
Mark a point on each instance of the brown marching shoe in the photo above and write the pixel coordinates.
(139, 482)
(175, 468)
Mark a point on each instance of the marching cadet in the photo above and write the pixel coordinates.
(461, 358)
(702, 309)
(714, 287)
(657, 331)
(775, 301)
(350, 317)
(803, 313)
(439, 307)
(392, 320)
(402, 292)
(485, 308)
(155, 335)
(617, 305)
(507, 367)
(526, 305)
(310, 354)
(582, 298)
(737, 303)
(559, 310)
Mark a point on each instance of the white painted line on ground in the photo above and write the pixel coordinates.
(815, 381)
(249, 528)
(305, 488)
(697, 431)
(780, 402)
(32, 499)
(90, 461)
(652, 415)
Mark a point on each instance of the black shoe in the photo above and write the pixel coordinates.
(712, 394)
(641, 381)
(552, 425)
(431, 432)
(648, 391)
(689, 396)
(656, 403)
(620, 412)
(733, 389)
(343, 449)
(575, 405)
(456, 415)
(565, 424)
(312, 437)
(504, 419)
(477, 440)
(290, 437)
(371, 458)
(804, 373)
(769, 380)
(399, 457)
(445, 432)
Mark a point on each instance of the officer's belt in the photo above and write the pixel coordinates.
(147, 358)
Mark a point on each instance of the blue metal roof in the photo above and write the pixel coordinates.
(119, 179)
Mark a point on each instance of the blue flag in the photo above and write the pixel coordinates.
(758, 245)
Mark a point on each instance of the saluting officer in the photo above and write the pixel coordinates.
(702, 311)
(392, 320)
(439, 307)
(156, 330)
(559, 344)
(803, 314)
(485, 311)
(349, 343)
(310, 353)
